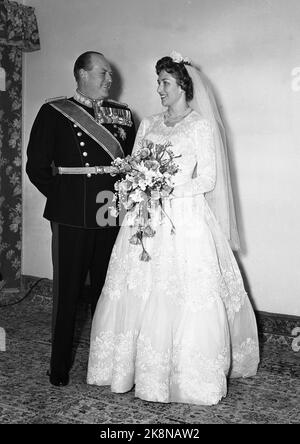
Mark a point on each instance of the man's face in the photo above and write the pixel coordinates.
(96, 83)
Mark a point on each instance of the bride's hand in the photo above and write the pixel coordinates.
(178, 191)
(186, 189)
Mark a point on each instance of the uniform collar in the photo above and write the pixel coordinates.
(87, 101)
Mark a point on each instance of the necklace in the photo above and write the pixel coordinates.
(174, 119)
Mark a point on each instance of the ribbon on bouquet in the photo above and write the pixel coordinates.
(144, 217)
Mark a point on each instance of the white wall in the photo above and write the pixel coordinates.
(248, 48)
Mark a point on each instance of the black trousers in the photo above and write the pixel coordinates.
(75, 251)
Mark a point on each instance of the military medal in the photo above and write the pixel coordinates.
(106, 114)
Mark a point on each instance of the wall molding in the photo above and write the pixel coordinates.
(278, 328)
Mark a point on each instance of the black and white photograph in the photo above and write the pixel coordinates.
(149, 214)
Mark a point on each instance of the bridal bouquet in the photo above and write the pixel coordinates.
(146, 178)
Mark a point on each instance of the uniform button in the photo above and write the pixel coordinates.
(84, 154)
(79, 134)
(82, 144)
(89, 175)
(87, 164)
(75, 126)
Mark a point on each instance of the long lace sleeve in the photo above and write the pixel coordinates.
(205, 170)
(140, 135)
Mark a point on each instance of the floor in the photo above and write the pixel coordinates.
(272, 397)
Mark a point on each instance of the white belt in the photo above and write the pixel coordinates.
(85, 170)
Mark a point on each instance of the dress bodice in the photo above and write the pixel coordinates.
(191, 138)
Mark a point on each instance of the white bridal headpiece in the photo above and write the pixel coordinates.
(177, 58)
(220, 199)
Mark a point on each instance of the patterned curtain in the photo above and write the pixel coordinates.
(18, 33)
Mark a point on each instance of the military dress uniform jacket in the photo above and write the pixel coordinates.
(55, 140)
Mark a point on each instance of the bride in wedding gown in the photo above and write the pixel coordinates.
(176, 327)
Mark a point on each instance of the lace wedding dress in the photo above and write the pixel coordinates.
(177, 326)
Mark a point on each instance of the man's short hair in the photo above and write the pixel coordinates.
(84, 61)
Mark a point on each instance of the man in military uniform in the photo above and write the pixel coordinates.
(78, 138)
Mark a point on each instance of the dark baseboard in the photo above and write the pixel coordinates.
(272, 327)
(276, 327)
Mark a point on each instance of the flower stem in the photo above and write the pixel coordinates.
(173, 226)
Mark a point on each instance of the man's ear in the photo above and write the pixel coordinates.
(82, 74)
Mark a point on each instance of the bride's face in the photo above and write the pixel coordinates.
(168, 89)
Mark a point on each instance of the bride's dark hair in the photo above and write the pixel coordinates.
(178, 71)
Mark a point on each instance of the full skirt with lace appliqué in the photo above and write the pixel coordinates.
(177, 326)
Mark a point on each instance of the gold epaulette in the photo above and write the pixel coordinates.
(55, 99)
(116, 102)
